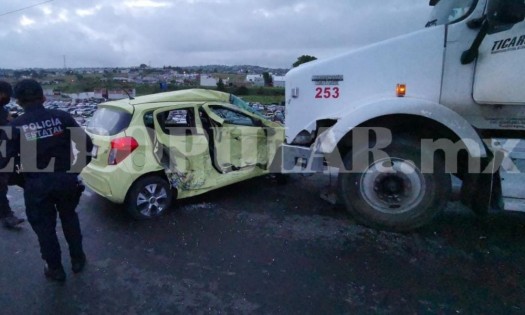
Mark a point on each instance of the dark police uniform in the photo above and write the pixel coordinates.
(43, 139)
(7, 216)
(5, 209)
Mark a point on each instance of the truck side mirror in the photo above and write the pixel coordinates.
(503, 14)
(471, 54)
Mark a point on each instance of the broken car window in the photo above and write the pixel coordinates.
(232, 117)
(177, 121)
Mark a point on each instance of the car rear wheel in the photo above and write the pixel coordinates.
(149, 197)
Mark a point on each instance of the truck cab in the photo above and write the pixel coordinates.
(400, 117)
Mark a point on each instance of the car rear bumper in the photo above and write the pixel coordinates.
(106, 184)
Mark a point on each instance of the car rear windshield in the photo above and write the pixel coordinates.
(108, 121)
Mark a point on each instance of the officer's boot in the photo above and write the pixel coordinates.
(56, 274)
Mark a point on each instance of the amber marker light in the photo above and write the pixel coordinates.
(401, 90)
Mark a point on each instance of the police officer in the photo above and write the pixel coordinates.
(43, 138)
(7, 216)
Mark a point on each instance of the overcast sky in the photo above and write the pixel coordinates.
(120, 33)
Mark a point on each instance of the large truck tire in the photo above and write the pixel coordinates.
(393, 193)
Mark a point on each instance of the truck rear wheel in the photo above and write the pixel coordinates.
(393, 193)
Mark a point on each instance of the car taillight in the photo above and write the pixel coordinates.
(121, 148)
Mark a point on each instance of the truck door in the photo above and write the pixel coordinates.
(499, 76)
(239, 140)
(182, 148)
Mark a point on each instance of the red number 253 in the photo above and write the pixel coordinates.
(327, 92)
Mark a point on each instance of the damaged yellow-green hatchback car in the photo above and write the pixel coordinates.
(155, 148)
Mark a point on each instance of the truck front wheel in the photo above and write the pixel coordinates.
(393, 193)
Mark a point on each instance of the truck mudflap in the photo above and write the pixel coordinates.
(512, 173)
(296, 159)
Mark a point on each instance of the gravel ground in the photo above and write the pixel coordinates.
(261, 248)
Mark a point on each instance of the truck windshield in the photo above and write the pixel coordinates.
(450, 11)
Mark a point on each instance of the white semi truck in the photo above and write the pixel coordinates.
(400, 117)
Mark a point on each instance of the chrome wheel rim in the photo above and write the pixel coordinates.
(152, 200)
(392, 185)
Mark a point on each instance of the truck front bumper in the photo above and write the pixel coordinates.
(296, 159)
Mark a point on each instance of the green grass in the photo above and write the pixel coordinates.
(264, 99)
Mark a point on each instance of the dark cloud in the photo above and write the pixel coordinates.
(195, 32)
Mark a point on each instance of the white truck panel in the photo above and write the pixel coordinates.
(368, 73)
(327, 142)
(469, 91)
(499, 77)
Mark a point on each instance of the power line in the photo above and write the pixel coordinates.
(25, 8)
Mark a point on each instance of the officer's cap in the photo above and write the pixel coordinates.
(28, 90)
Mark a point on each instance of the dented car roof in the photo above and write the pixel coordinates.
(191, 95)
(182, 96)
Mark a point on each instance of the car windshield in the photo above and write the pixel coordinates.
(108, 121)
(450, 11)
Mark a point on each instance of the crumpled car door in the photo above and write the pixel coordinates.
(181, 148)
(240, 140)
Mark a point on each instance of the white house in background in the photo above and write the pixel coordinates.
(278, 81)
(208, 80)
(255, 79)
(258, 80)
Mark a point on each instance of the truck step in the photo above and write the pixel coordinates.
(512, 175)
(513, 185)
(513, 189)
(514, 204)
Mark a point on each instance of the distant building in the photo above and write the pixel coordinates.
(255, 79)
(121, 79)
(208, 80)
(120, 94)
(258, 80)
(278, 81)
(100, 93)
(115, 94)
(149, 80)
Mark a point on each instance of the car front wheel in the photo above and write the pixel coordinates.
(149, 197)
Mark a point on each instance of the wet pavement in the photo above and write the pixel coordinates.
(261, 248)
